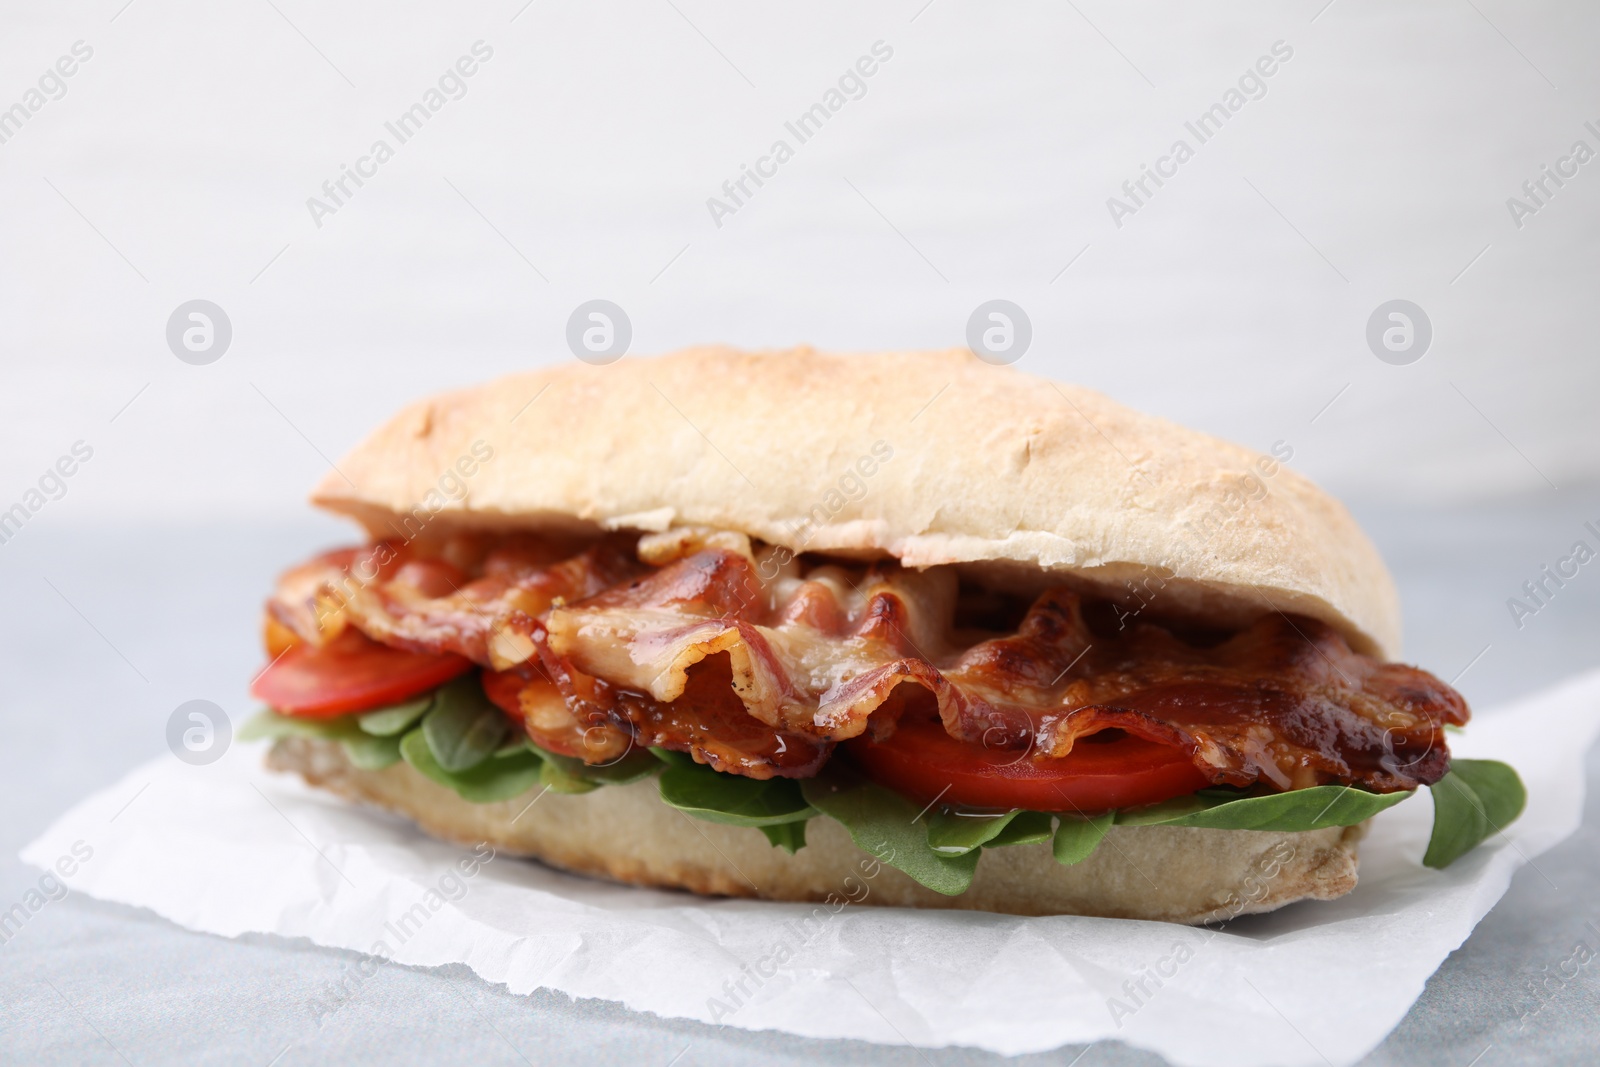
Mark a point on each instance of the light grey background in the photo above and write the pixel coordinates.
(577, 166)
(977, 165)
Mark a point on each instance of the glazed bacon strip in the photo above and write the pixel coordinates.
(477, 598)
(575, 714)
(759, 669)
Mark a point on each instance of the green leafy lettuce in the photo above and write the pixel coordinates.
(455, 736)
(1077, 837)
(1302, 809)
(775, 807)
(630, 767)
(729, 798)
(489, 780)
(888, 825)
(365, 751)
(956, 831)
(463, 727)
(396, 720)
(1477, 798)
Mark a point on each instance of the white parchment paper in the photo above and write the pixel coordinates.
(229, 849)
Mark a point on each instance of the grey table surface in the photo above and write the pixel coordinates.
(107, 629)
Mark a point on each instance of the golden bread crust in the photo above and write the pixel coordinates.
(1023, 480)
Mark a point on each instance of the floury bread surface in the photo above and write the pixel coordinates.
(1022, 480)
(625, 833)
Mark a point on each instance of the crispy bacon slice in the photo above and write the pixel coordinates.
(575, 714)
(759, 669)
(433, 605)
(1285, 701)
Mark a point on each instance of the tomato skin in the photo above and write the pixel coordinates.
(504, 690)
(350, 673)
(925, 763)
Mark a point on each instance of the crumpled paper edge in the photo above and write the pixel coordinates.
(911, 995)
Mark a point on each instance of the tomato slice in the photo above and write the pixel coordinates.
(1103, 771)
(504, 690)
(350, 673)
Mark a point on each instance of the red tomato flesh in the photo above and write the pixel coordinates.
(504, 690)
(350, 673)
(924, 762)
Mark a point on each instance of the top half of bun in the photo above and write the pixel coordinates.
(927, 457)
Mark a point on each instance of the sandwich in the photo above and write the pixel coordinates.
(780, 624)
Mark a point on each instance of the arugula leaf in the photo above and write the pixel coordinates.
(489, 781)
(268, 725)
(511, 746)
(630, 767)
(1497, 784)
(366, 752)
(564, 774)
(556, 779)
(1459, 821)
(1078, 837)
(397, 719)
(775, 807)
(1475, 799)
(881, 821)
(372, 753)
(1300, 809)
(1028, 828)
(789, 836)
(733, 800)
(635, 766)
(955, 832)
(463, 728)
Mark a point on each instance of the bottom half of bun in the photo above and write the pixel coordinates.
(626, 834)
